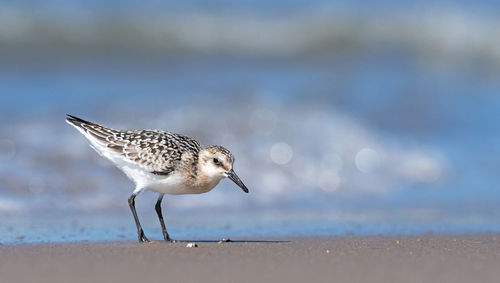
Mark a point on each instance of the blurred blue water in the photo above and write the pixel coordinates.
(383, 138)
(463, 131)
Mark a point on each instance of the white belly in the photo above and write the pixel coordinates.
(173, 184)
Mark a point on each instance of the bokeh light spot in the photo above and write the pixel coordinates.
(367, 160)
(281, 153)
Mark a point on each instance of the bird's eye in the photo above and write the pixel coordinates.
(216, 161)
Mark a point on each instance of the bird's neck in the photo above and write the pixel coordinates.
(204, 177)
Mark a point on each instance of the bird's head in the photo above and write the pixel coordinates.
(216, 162)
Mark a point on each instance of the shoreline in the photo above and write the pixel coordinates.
(418, 258)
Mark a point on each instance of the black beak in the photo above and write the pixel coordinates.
(231, 175)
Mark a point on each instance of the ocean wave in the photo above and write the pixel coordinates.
(442, 33)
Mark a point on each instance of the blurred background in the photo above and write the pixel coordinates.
(345, 117)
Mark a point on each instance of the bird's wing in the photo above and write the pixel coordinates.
(156, 151)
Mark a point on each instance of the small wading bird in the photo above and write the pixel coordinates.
(160, 161)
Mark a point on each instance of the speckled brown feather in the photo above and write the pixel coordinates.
(159, 152)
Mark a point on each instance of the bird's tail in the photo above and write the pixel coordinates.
(92, 131)
(77, 122)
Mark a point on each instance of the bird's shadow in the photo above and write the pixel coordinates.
(232, 241)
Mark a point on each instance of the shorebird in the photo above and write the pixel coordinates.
(160, 161)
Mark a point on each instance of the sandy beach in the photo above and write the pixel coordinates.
(429, 258)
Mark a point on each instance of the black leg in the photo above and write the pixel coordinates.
(160, 217)
(140, 232)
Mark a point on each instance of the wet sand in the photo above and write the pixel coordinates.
(429, 258)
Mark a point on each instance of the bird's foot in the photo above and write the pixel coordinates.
(167, 238)
(170, 240)
(142, 238)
